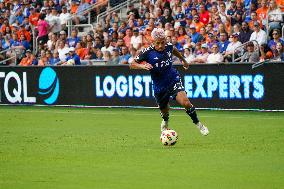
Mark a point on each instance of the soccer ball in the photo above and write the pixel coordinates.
(169, 137)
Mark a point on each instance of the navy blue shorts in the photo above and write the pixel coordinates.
(163, 98)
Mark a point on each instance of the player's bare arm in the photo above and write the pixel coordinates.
(179, 55)
(136, 65)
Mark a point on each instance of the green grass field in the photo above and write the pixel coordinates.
(72, 148)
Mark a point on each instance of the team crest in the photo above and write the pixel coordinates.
(169, 53)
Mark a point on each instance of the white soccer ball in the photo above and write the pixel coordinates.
(169, 137)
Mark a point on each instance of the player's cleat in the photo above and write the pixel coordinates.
(203, 130)
(164, 125)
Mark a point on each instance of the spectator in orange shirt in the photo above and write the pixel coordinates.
(197, 23)
(262, 11)
(24, 32)
(181, 35)
(28, 60)
(43, 59)
(147, 38)
(254, 16)
(74, 7)
(81, 51)
(280, 4)
(34, 17)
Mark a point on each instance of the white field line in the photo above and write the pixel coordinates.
(132, 114)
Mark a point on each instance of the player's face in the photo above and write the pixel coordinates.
(160, 44)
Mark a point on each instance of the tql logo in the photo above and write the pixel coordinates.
(49, 85)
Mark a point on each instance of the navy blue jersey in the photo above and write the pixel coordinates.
(163, 74)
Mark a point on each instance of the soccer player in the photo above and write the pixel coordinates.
(166, 79)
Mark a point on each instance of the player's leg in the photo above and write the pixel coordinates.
(165, 116)
(163, 102)
(182, 99)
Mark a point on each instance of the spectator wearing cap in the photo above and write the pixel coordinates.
(259, 35)
(211, 40)
(215, 56)
(276, 39)
(167, 18)
(28, 60)
(136, 39)
(231, 49)
(196, 37)
(204, 14)
(124, 56)
(202, 58)
(72, 56)
(188, 21)
(245, 33)
(196, 23)
(73, 39)
(250, 55)
(64, 17)
(254, 19)
(114, 56)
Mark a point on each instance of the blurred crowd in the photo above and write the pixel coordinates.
(205, 31)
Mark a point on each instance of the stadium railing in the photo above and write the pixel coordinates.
(119, 8)
(70, 27)
(13, 57)
(242, 46)
(267, 23)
